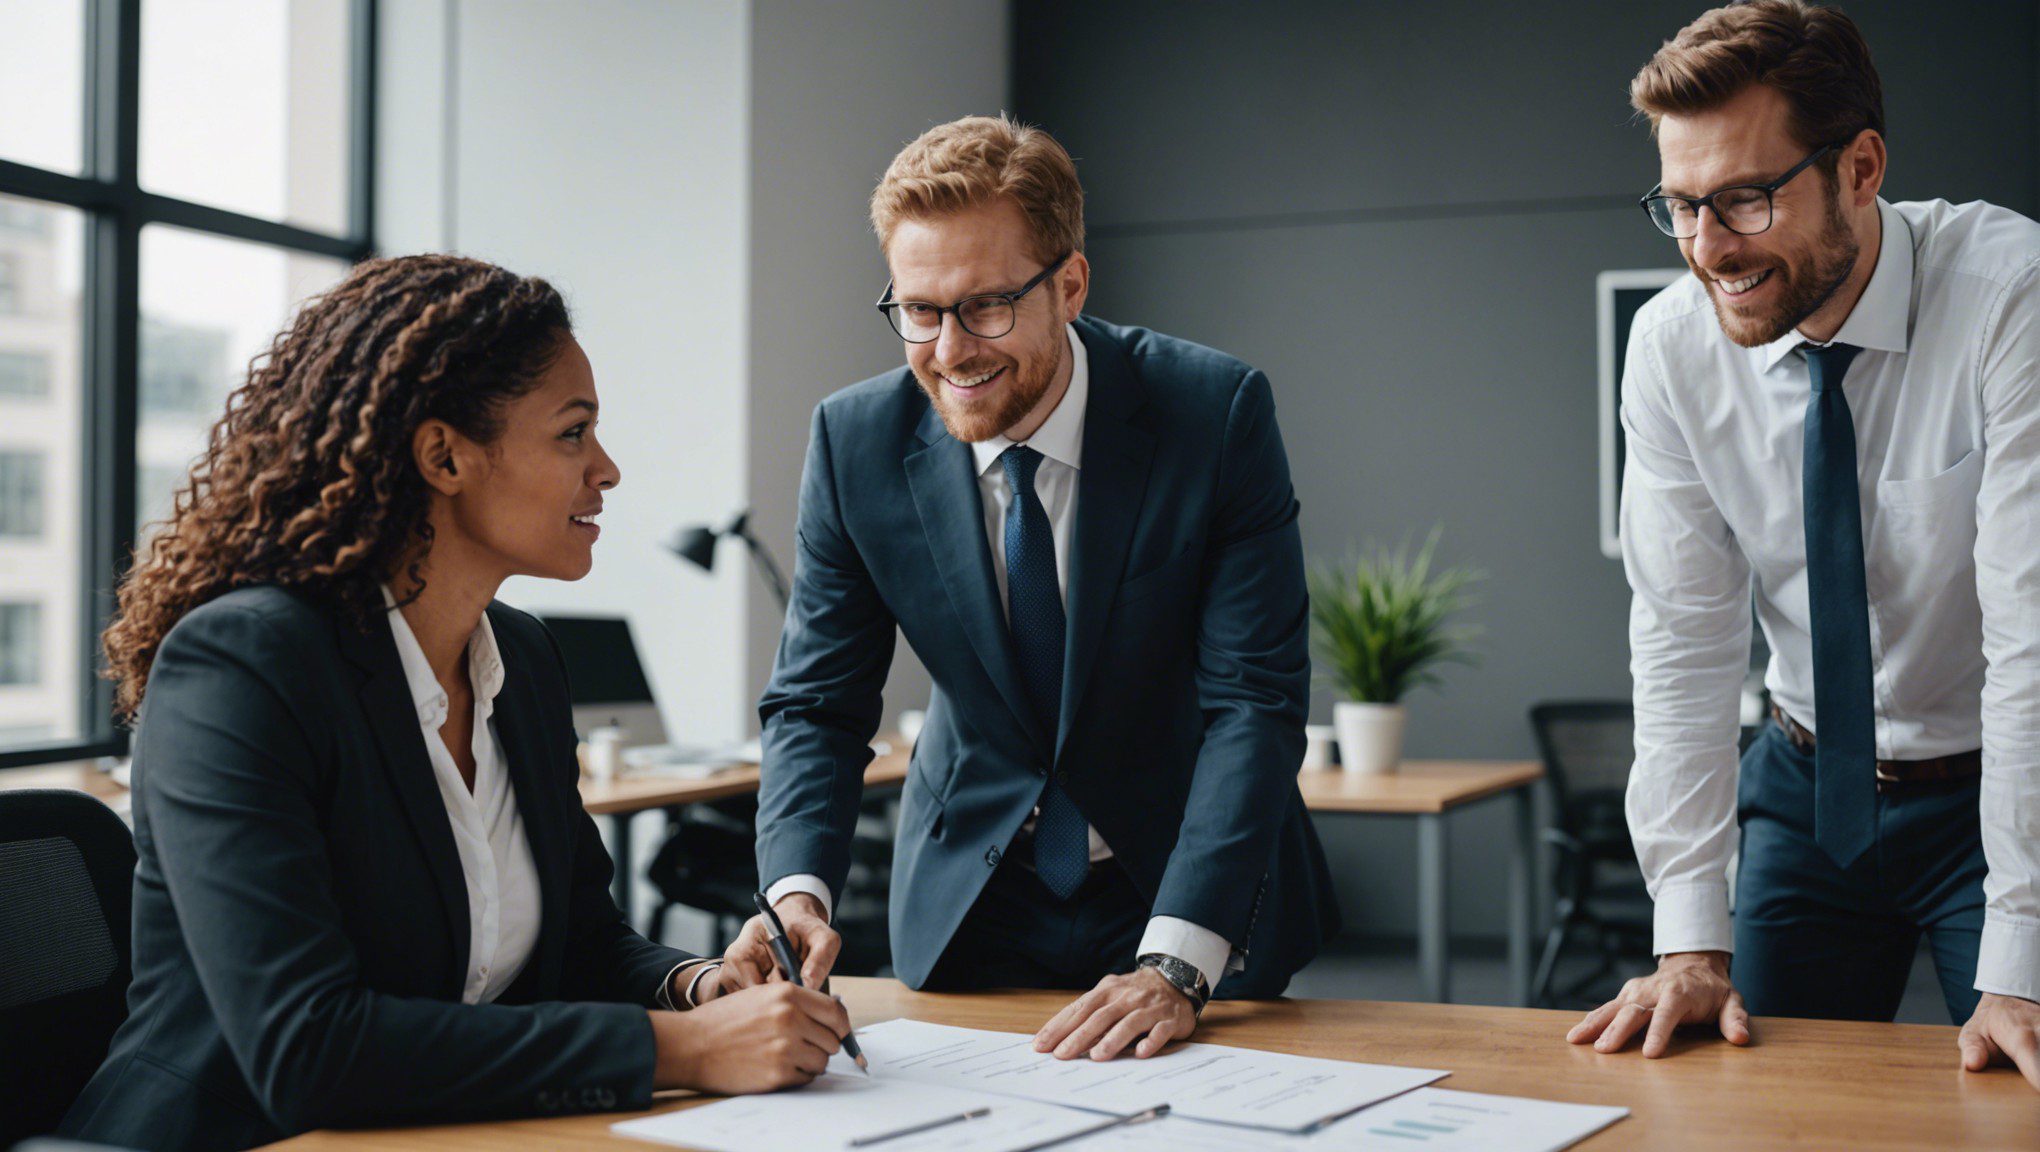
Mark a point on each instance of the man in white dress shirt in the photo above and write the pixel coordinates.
(1840, 410)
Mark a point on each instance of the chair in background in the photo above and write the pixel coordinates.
(709, 863)
(67, 868)
(1588, 748)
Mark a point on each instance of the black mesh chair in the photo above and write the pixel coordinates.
(1588, 747)
(709, 863)
(67, 867)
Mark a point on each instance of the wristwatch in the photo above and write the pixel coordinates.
(1183, 976)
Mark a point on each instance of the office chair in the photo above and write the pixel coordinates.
(709, 863)
(1588, 747)
(67, 865)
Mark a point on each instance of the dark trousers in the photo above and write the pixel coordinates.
(1018, 935)
(1813, 939)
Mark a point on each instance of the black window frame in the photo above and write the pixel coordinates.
(117, 208)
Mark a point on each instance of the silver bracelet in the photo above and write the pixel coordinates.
(700, 970)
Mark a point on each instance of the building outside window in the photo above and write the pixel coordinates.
(20, 645)
(21, 494)
(24, 375)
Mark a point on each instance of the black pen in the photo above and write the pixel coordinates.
(917, 1129)
(782, 952)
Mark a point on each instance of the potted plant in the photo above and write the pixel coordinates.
(1379, 624)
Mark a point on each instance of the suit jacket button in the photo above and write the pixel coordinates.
(1061, 777)
(992, 856)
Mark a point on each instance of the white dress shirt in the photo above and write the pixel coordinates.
(488, 831)
(1946, 403)
(1060, 440)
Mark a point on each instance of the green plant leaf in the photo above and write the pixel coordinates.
(1379, 620)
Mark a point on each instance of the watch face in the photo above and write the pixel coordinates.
(1180, 973)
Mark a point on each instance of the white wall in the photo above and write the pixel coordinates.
(603, 145)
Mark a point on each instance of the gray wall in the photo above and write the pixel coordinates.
(1397, 211)
(836, 90)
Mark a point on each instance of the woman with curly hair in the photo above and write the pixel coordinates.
(367, 893)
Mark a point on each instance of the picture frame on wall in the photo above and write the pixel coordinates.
(1618, 295)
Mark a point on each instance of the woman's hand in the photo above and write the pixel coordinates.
(755, 1040)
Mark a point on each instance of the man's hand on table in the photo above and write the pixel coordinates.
(815, 945)
(2003, 1030)
(1687, 988)
(1140, 1009)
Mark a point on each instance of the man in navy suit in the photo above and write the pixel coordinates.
(1089, 537)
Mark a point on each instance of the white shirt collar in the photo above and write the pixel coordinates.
(485, 667)
(1061, 436)
(1882, 317)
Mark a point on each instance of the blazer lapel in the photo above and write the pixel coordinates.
(520, 728)
(1111, 487)
(943, 479)
(393, 717)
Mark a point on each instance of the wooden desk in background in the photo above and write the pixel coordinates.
(624, 798)
(1424, 790)
(1805, 1084)
(1427, 790)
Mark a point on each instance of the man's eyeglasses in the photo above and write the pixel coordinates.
(1744, 209)
(986, 317)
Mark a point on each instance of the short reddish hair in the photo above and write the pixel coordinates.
(977, 160)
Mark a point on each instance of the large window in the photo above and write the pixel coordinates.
(175, 177)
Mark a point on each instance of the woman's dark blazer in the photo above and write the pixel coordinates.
(300, 914)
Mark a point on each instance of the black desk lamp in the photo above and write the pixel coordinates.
(696, 545)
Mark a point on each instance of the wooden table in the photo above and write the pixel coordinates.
(624, 798)
(1427, 790)
(1804, 1084)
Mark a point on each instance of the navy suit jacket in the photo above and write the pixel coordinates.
(1184, 691)
(300, 913)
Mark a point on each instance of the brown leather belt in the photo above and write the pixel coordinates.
(1893, 775)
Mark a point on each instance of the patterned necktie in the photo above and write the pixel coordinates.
(1034, 615)
(1845, 745)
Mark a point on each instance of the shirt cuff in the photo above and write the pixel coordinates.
(806, 882)
(2008, 958)
(1692, 917)
(665, 996)
(1195, 945)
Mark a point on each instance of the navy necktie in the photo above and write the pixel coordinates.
(1845, 745)
(1034, 615)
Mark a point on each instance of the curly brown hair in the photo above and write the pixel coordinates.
(307, 481)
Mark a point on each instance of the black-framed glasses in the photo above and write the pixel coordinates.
(986, 317)
(1744, 209)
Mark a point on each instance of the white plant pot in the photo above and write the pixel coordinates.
(1370, 735)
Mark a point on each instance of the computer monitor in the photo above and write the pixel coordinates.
(1617, 296)
(606, 677)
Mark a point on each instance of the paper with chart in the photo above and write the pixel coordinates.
(1201, 1081)
(844, 1105)
(1433, 1119)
